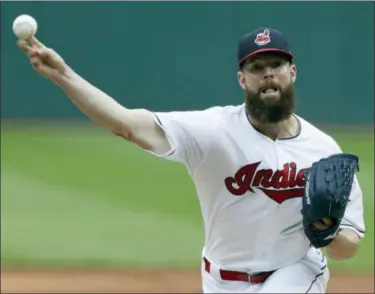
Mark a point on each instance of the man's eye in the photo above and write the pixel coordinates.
(276, 64)
(257, 67)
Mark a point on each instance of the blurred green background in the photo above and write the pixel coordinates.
(72, 194)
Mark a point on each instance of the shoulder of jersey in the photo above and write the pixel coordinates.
(220, 115)
(314, 132)
(226, 110)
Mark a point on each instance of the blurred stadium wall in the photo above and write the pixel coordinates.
(171, 55)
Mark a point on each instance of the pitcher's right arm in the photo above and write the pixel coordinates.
(135, 125)
(182, 136)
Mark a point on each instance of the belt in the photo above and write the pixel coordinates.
(227, 275)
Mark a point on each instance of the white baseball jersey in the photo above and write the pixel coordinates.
(249, 186)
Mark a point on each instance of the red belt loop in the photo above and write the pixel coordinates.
(227, 275)
(207, 265)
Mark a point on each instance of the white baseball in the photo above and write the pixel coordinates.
(25, 26)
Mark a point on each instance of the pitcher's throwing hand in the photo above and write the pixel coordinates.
(44, 60)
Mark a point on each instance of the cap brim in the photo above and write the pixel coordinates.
(287, 53)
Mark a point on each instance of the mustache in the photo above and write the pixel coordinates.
(268, 85)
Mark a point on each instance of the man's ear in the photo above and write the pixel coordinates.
(293, 72)
(241, 79)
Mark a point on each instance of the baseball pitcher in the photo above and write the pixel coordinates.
(273, 189)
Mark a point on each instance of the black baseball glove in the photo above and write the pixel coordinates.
(327, 188)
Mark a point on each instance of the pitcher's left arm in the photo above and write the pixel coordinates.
(344, 246)
(352, 227)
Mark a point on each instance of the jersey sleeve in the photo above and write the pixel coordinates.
(353, 218)
(190, 135)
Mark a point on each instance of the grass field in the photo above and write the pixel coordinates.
(75, 195)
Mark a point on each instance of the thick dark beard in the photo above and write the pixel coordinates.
(264, 111)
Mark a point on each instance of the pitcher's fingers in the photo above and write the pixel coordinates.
(23, 46)
(35, 62)
(318, 225)
(33, 52)
(44, 52)
(29, 51)
(35, 42)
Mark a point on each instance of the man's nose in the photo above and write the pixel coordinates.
(268, 73)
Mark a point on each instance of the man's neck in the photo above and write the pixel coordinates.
(287, 128)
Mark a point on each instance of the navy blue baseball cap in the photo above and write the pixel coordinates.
(262, 40)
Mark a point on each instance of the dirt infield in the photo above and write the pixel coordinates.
(166, 281)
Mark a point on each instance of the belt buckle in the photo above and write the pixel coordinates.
(250, 276)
